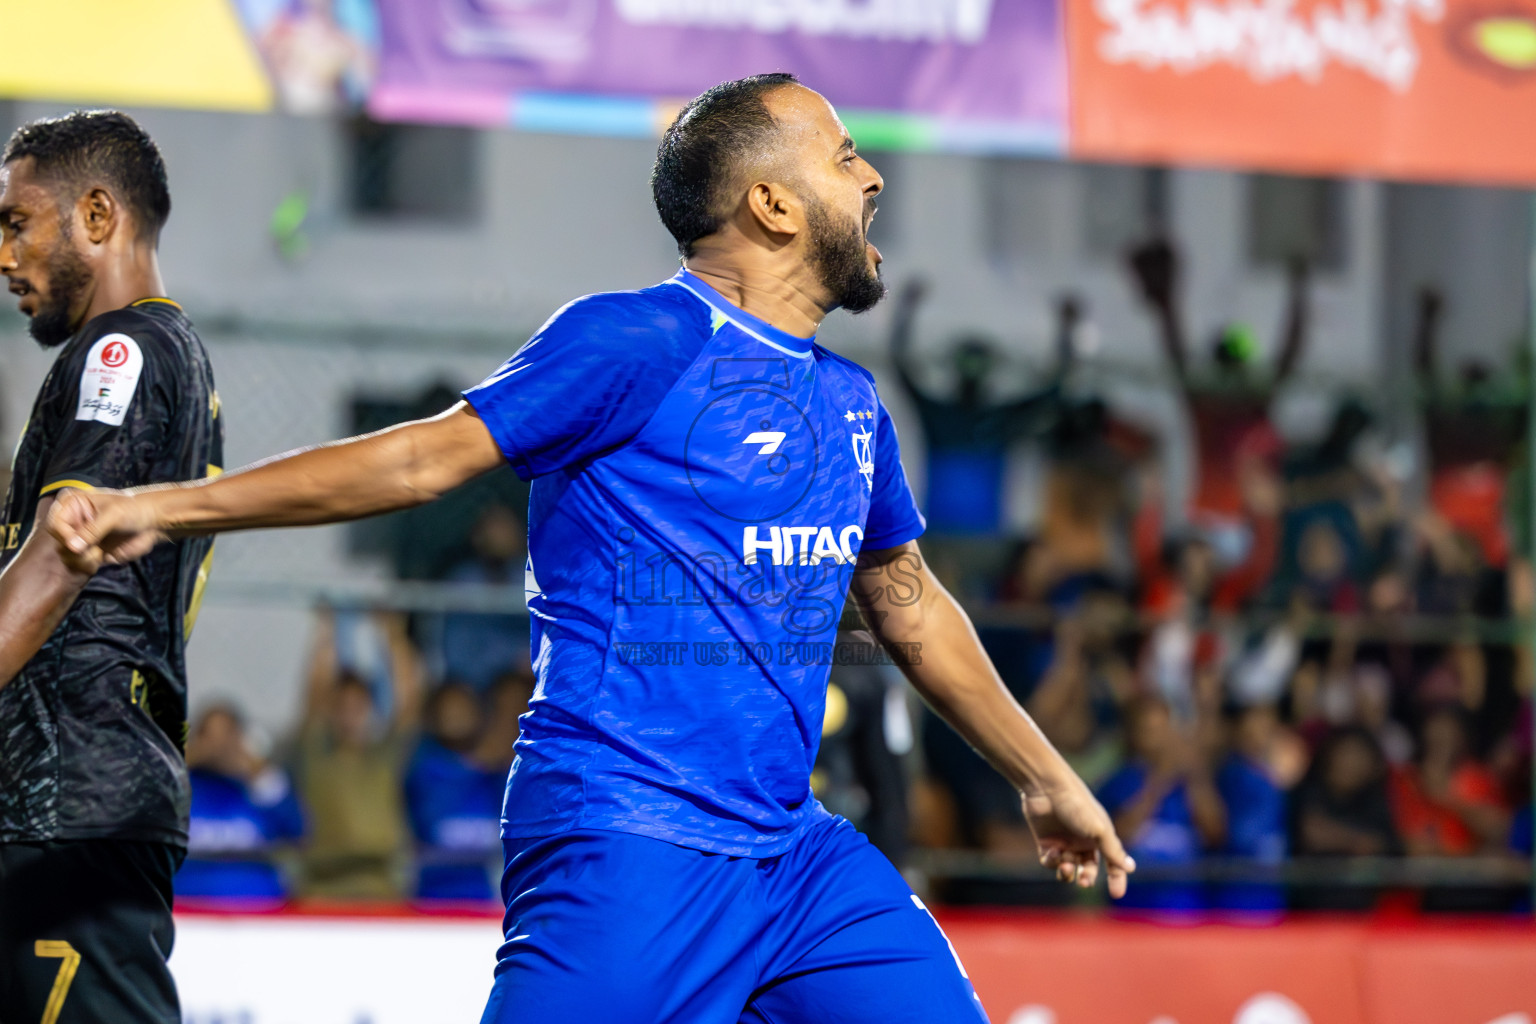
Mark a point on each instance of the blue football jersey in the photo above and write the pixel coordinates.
(702, 484)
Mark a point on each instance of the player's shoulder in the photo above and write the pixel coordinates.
(845, 364)
(622, 317)
(143, 329)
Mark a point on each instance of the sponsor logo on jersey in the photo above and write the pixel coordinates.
(114, 355)
(801, 545)
(769, 439)
(110, 378)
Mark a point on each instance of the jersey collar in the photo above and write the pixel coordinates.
(762, 330)
(155, 298)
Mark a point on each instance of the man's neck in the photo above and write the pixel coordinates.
(780, 300)
(125, 282)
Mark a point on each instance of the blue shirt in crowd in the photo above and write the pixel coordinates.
(454, 805)
(702, 484)
(1256, 821)
(1168, 837)
(233, 827)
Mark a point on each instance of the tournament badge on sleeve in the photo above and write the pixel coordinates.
(110, 378)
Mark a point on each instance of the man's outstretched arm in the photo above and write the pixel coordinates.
(36, 592)
(932, 639)
(401, 467)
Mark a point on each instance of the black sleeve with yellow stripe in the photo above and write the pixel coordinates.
(92, 449)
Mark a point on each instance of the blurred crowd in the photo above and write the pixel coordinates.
(1315, 652)
(390, 785)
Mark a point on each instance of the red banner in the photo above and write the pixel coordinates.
(1032, 969)
(1426, 89)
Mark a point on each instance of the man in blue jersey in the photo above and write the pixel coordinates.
(708, 484)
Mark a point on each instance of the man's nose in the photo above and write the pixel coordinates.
(873, 184)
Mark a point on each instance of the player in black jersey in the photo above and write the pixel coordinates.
(93, 688)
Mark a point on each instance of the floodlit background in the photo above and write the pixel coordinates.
(1276, 608)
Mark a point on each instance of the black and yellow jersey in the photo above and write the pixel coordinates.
(92, 730)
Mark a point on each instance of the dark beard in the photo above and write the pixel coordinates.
(68, 277)
(838, 257)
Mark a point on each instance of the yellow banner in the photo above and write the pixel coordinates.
(172, 53)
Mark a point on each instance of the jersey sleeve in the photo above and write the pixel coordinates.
(893, 515)
(117, 408)
(587, 382)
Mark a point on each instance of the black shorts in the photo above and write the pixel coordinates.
(85, 932)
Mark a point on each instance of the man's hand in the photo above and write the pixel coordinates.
(96, 528)
(1076, 836)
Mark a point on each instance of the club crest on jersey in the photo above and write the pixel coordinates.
(863, 453)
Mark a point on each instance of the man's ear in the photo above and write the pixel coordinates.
(776, 209)
(100, 213)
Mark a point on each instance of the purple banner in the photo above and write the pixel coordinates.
(984, 66)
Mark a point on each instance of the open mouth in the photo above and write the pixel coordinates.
(869, 218)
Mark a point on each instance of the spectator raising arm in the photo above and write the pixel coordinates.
(1293, 343)
(325, 672)
(1155, 269)
(321, 672)
(1426, 335)
(902, 324)
(405, 673)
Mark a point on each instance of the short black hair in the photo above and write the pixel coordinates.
(92, 148)
(702, 152)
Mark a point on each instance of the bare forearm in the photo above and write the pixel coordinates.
(398, 468)
(991, 721)
(334, 483)
(1489, 824)
(1170, 327)
(1323, 835)
(405, 674)
(1052, 699)
(1294, 339)
(1140, 809)
(36, 592)
(1208, 810)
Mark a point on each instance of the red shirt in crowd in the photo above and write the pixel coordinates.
(1421, 816)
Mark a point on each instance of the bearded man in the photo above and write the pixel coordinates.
(709, 484)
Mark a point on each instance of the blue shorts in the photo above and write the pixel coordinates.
(622, 929)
